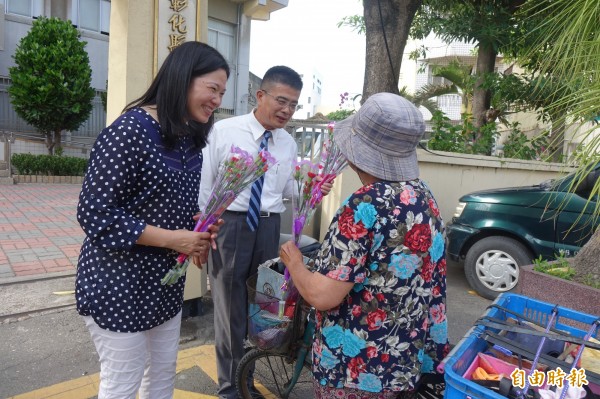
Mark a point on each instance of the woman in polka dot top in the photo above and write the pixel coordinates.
(136, 206)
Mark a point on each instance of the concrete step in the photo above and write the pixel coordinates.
(6, 181)
(3, 172)
(3, 165)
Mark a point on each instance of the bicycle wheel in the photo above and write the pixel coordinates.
(272, 375)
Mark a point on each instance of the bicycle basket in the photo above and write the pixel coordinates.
(270, 320)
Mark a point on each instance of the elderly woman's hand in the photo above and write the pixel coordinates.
(320, 291)
(290, 254)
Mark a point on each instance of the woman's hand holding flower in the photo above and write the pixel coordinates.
(290, 255)
(213, 229)
(326, 186)
(192, 243)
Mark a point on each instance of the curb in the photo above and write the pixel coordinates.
(35, 277)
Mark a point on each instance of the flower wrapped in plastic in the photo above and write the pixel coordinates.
(303, 199)
(235, 174)
(308, 193)
(332, 163)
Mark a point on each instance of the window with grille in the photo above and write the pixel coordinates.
(26, 8)
(222, 36)
(92, 15)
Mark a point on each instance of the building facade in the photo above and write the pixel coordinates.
(224, 24)
(310, 98)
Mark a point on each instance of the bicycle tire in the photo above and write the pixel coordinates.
(272, 374)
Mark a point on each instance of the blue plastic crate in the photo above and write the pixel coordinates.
(574, 322)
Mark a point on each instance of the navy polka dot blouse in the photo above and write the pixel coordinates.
(133, 180)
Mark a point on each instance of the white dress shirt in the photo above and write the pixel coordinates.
(246, 132)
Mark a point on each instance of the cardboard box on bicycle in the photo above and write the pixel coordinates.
(271, 307)
(270, 283)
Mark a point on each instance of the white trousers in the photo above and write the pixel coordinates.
(144, 361)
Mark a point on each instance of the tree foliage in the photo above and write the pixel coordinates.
(51, 80)
(339, 114)
(489, 23)
(452, 137)
(460, 81)
(569, 40)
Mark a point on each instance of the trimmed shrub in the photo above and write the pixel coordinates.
(51, 165)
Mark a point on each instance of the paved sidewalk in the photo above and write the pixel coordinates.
(39, 233)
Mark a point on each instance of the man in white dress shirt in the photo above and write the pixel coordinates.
(240, 248)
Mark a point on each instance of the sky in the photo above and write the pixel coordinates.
(304, 35)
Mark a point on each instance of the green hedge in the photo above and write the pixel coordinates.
(51, 165)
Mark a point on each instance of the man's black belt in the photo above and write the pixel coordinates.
(244, 213)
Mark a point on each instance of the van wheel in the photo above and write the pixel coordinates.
(492, 265)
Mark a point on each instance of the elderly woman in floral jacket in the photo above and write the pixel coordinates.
(379, 280)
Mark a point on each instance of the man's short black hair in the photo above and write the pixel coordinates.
(283, 75)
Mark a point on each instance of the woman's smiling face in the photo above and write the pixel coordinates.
(205, 95)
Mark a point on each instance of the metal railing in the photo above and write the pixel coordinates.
(309, 137)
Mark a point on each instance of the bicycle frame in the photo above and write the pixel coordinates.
(302, 351)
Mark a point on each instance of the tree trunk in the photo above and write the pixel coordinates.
(556, 142)
(586, 261)
(58, 140)
(387, 23)
(49, 143)
(486, 60)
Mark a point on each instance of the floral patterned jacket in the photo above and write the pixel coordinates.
(387, 238)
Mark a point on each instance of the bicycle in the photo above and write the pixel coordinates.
(281, 374)
(285, 372)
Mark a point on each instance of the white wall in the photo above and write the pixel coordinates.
(450, 176)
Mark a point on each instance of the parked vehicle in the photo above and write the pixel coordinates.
(494, 232)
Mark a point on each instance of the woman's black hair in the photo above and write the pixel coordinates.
(169, 90)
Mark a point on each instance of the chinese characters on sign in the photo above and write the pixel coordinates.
(575, 378)
(177, 22)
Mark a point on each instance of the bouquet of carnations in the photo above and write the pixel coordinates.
(235, 174)
(307, 193)
(332, 164)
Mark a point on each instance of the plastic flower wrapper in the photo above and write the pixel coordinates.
(235, 174)
(332, 163)
(307, 193)
(303, 204)
(303, 201)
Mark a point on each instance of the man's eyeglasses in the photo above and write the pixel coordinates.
(283, 102)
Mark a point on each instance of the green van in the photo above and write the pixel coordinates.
(494, 232)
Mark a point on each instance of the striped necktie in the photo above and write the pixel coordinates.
(256, 190)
